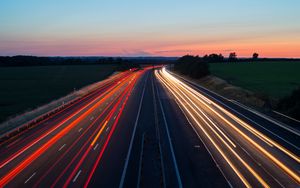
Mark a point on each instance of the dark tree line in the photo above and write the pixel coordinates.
(24, 61)
(291, 105)
(213, 58)
(120, 63)
(194, 66)
(233, 57)
(6, 61)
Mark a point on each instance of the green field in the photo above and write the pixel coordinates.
(276, 79)
(24, 88)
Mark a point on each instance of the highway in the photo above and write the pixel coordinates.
(71, 142)
(150, 128)
(246, 156)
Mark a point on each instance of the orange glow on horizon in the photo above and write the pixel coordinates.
(269, 47)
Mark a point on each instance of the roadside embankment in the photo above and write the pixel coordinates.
(249, 99)
(28, 119)
(231, 92)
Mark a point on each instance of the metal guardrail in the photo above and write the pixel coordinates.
(36, 121)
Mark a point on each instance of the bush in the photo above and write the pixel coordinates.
(194, 66)
(291, 105)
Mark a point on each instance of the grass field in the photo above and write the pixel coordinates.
(24, 88)
(276, 79)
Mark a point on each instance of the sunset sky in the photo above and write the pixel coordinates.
(150, 28)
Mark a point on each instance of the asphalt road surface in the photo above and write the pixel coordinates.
(151, 128)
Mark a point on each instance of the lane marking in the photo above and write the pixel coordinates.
(56, 127)
(210, 153)
(13, 143)
(263, 150)
(62, 147)
(238, 157)
(126, 96)
(76, 141)
(107, 129)
(194, 85)
(23, 164)
(78, 173)
(96, 146)
(229, 162)
(121, 185)
(140, 162)
(125, 93)
(286, 116)
(280, 124)
(170, 142)
(30, 178)
(237, 172)
(218, 129)
(248, 127)
(79, 129)
(158, 134)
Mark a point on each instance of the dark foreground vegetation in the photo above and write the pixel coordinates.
(276, 79)
(25, 88)
(290, 105)
(193, 66)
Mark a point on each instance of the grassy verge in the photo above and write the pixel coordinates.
(275, 79)
(25, 88)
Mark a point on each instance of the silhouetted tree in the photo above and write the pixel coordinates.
(193, 66)
(221, 57)
(232, 56)
(213, 58)
(291, 105)
(255, 56)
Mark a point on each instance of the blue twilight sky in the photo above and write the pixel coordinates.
(156, 27)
